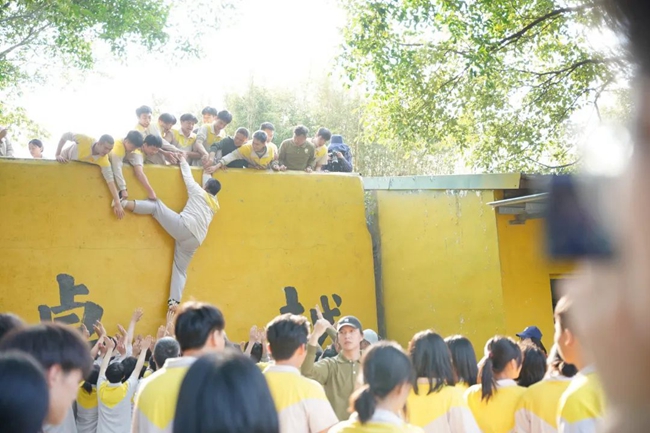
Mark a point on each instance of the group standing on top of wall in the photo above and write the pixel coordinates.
(207, 147)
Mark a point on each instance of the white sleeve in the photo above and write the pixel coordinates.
(116, 164)
(190, 183)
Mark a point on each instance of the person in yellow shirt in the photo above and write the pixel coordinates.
(185, 140)
(301, 403)
(583, 403)
(320, 143)
(166, 122)
(463, 358)
(199, 329)
(211, 134)
(435, 404)
(269, 130)
(85, 149)
(537, 411)
(257, 154)
(209, 114)
(495, 400)
(87, 403)
(129, 150)
(388, 378)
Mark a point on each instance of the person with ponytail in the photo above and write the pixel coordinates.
(378, 405)
(87, 403)
(435, 404)
(537, 410)
(464, 361)
(494, 400)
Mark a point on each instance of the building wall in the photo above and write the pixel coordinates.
(440, 264)
(274, 231)
(526, 276)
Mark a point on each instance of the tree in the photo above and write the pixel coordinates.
(498, 80)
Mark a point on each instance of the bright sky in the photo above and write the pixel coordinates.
(278, 43)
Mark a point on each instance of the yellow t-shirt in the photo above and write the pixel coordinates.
(85, 151)
(87, 413)
(301, 403)
(247, 153)
(498, 414)
(582, 404)
(184, 143)
(320, 157)
(444, 411)
(134, 158)
(381, 422)
(155, 402)
(537, 410)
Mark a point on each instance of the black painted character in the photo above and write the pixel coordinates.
(67, 293)
(293, 306)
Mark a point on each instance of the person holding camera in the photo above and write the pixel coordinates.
(339, 158)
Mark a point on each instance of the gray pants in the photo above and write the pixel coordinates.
(185, 246)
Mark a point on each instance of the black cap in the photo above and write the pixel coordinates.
(349, 321)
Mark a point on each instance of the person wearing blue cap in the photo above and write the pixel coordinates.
(534, 335)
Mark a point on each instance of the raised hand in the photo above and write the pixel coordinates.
(161, 332)
(253, 334)
(137, 314)
(84, 331)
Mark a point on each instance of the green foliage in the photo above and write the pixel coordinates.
(65, 30)
(495, 80)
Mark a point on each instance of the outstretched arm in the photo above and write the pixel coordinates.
(68, 136)
(190, 183)
(107, 357)
(138, 170)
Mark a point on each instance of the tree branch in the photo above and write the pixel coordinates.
(551, 15)
(30, 36)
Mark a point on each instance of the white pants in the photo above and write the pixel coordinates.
(185, 246)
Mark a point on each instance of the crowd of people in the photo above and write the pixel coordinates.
(190, 378)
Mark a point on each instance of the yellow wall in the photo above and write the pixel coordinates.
(440, 264)
(526, 275)
(273, 231)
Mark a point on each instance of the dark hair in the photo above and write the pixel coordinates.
(167, 118)
(128, 365)
(24, 394)
(225, 116)
(563, 313)
(301, 130)
(463, 358)
(135, 138)
(431, 359)
(207, 110)
(36, 142)
(91, 379)
(535, 342)
(325, 133)
(256, 352)
(557, 366)
(533, 366)
(268, 126)
(629, 19)
(153, 140)
(195, 321)
(500, 351)
(51, 344)
(213, 186)
(9, 322)
(243, 131)
(225, 393)
(260, 136)
(107, 139)
(385, 366)
(164, 349)
(286, 334)
(189, 116)
(115, 372)
(143, 110)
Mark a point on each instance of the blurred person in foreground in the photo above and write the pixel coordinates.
(612, 309)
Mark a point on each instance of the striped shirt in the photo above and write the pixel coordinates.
(444, 411)
(301, 403)
(155, 402)
(498, 414)
(582, 404)
(537, 411)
